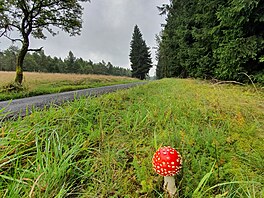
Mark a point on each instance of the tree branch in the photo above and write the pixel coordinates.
(1, 34)
(12, 25)
(11, 39)
(228, 82)
(35, 50)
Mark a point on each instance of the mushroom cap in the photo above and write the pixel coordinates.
(167, 161)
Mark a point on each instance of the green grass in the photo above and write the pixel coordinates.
(102, 147)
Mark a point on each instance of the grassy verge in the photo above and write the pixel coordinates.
(102, 147)
(46, 83)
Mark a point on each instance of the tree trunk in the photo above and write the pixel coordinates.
(19, 63)
(19, 74)
(142, 76)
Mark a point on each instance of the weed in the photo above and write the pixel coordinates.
(12, 87)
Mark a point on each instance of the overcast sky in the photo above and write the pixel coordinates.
(107, 31)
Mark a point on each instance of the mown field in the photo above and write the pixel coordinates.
(103, 147)
(45, 83)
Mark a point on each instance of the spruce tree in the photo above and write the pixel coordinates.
(140, 56)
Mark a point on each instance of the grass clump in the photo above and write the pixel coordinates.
(102, 147)
(12, 87)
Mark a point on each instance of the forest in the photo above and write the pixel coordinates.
(212, 39)
(39, 62)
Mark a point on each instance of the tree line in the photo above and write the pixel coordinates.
(221, 39)
(39, 62)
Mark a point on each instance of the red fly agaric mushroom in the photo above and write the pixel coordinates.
(167, 162)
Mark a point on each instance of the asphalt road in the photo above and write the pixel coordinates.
(25, 106)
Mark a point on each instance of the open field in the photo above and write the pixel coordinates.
(103, 147)
(44, 83)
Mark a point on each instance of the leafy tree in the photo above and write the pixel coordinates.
(32, 17)
(140, 56)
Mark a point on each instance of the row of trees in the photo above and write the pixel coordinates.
(39, 62)
(221, 39)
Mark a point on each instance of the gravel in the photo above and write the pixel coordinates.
(22, 107)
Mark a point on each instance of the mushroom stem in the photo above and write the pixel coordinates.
(169, 185)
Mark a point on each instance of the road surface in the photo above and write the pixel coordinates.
(25, 106)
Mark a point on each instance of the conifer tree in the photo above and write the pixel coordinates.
(219, 39)
(140, 56)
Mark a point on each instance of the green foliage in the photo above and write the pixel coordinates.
(36, 16)
(103, 146)
(8, 59)
(200, 188)
(212, 39)
(140, 56)
(70, 61)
